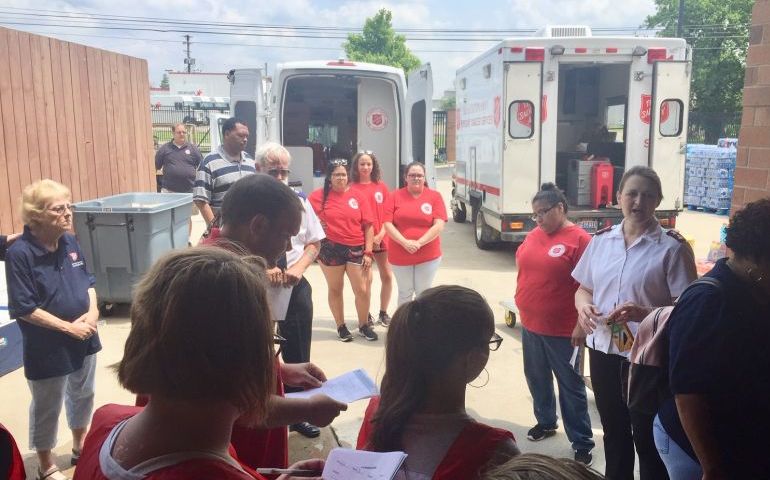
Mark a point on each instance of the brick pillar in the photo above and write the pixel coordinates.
(451, 136)
(752, 172)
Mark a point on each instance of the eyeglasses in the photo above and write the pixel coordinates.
(279, 172)
(415, 175)
(339, 162)
(494, 344)
(542, 213)
(60, 209)
(278, 340)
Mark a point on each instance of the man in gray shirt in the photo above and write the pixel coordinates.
(179, 160)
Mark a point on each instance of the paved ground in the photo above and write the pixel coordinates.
(504, 402)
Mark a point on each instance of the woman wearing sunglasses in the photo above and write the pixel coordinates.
(421, 410)
(414, 218)
(365, 174)
(347, 248)
(545, 297)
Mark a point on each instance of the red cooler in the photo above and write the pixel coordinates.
(601, 184)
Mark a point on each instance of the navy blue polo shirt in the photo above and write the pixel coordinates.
(58, 283)
(718, 349)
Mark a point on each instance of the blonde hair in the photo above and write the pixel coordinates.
(200, 330)
(36, 197)
(533, 466)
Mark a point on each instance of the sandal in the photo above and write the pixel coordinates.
(52, 474)
(75, 457)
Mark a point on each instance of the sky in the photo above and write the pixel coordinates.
(220, 53)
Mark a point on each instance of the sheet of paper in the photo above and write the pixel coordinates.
(345, 464)
(574, 357)
(278, 298)
(346, 388)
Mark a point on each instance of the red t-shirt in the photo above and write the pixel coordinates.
(16, 464)
(344, 216)
(104, 421)
(413, 217)
(545, 289)
(471, 451)
(377, 195)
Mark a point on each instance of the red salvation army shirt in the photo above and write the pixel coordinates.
(344, 216)
(413, 217)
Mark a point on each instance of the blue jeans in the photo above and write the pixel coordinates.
(544, 357)
(679, 464)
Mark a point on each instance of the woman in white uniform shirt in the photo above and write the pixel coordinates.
(623, 274)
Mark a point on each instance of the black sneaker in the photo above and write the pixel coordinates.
(539, 432)
(305, 429)
(384, 319)
(585, 457)
(367, 332)
(344, 334)
(370, 320)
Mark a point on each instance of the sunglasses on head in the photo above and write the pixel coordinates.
(365, 152)
(339, 162)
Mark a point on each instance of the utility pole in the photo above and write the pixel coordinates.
(680, 21)
(188, 60)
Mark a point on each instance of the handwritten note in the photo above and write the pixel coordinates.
(346, 388)
(345, 464)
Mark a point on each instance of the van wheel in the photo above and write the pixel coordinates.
(482, 232)
(458, 211)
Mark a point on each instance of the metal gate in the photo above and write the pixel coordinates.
(439, 136)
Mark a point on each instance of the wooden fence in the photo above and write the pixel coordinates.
(76, 114)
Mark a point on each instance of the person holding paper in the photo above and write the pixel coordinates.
(260, 215)
(204, 360)
(545, 297)
(437, 344)
(296, 323)
(625, 272)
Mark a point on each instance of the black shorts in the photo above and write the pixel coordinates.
(334, 254)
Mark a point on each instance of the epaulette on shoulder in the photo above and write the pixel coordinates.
(676, 235)
(603, 230)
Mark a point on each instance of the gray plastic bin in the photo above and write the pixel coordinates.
(123, 235)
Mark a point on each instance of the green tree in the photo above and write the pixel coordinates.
(718, 31)
(164, 81)
(379, 43)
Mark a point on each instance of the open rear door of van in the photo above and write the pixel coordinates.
(247, 103)
(419, 119)
(521, 110)
(668, 128)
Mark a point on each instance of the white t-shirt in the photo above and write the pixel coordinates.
(651, 272)
(310, 231)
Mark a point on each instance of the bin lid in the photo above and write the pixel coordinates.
(137, 202)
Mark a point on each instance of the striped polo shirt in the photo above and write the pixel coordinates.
(215, 175)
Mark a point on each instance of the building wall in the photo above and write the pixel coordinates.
(451, 136)
(75, 114)
(200, 84)
(752, 173)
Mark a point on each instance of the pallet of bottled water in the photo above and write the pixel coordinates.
(709, 174)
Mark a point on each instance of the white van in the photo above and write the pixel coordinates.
(321, 110)
(532, 110)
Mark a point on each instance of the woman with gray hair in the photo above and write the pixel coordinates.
(51, 294)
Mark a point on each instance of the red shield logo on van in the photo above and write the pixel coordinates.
(524, 113)
(644, 111)
(377, 119)
(498, 111)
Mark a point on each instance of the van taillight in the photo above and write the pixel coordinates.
(656, 55)
(341, 63)
(611, 50)
(581, 50)
(534, 54)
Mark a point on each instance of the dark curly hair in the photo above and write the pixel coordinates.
(551, 194)
(748, 234)
(356, 176)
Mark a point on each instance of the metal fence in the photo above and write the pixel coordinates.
(197, 121)
(439, 136)
(706, 127)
